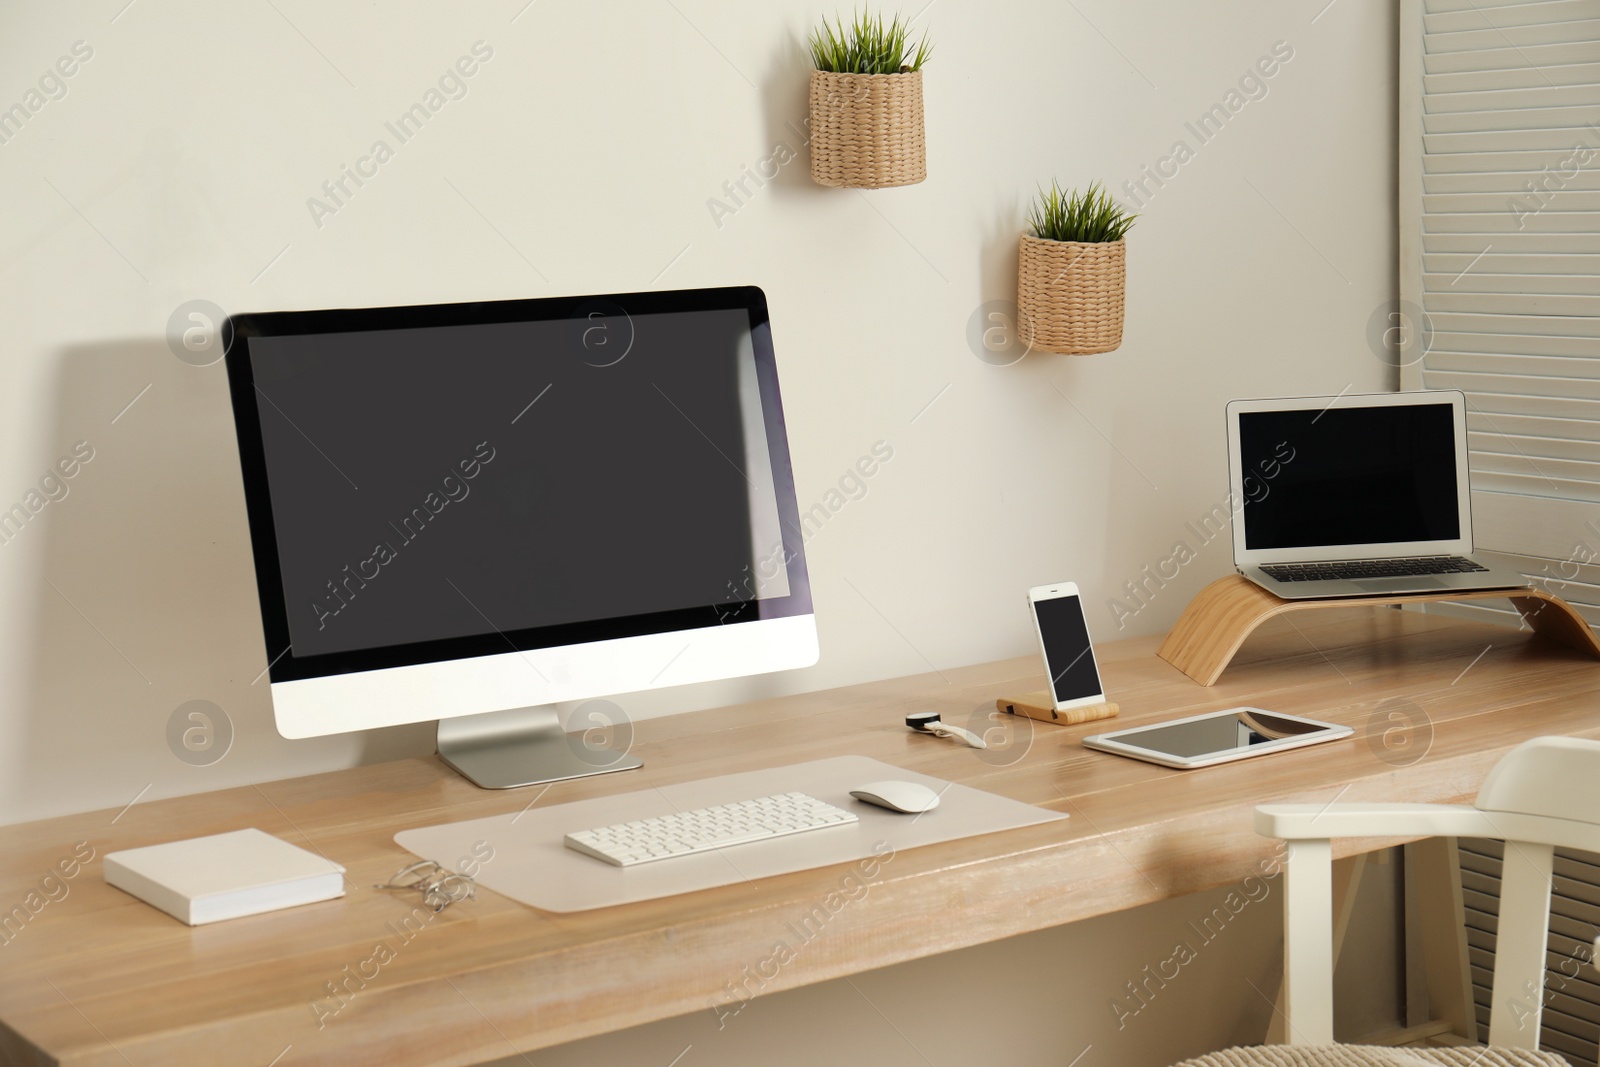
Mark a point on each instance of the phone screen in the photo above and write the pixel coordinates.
(1068, 658)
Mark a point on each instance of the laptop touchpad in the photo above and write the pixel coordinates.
(1399, 585)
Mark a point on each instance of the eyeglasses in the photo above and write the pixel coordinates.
(439, 886)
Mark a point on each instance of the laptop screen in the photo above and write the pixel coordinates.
(1350, 476)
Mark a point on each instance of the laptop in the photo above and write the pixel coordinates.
(1349, 496)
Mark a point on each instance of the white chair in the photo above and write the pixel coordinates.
(1544, 794)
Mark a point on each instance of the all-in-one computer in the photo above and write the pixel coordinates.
(470, 512)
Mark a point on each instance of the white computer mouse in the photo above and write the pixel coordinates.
(908, 798)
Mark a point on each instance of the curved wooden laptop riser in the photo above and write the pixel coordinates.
(1222, 615)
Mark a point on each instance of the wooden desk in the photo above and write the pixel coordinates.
(97, 978)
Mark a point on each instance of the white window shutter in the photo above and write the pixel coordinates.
(1571, 1019)
(1500, 264)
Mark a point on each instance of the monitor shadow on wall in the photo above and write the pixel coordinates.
(145, 677)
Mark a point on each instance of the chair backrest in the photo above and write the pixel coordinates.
(1557, 777)
(1542, 786)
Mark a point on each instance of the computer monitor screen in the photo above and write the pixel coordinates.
(1350, 475)
(544, 481)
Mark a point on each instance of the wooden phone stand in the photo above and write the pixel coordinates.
(1224, 613)
(1039, 706)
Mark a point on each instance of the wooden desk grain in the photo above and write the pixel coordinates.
(97, 978)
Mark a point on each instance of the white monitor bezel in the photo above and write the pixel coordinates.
(370, 688)
(1244, 556)
(423, 692)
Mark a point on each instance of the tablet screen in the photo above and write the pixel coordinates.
(1215, 735)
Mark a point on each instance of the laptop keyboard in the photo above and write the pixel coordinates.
(1371, 568)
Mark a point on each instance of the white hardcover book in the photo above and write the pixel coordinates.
(224, 876)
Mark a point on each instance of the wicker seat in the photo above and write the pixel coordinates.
(1543, 794)
(1369, 1056)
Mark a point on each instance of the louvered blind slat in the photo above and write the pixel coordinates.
(1511, 57)
(1478, 282)
(1583, 453)
(1465, 14)
(1556, 141)
(1538, 244)
(1500, 250)
(1531, 426)
(1523, 164)
(1504, 387)
(1516, 325)
(1511, 344)
(1457, 267)
(1513, 118)
(1541, 305)
(1501, 175)
(1438, 7)
(1489, 100)
(1503, 202)
(1473, 81)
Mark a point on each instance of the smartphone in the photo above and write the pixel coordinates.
(1064, 640)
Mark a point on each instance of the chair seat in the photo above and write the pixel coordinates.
(1373, 1056)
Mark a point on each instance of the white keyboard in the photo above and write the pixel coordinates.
(685, 833)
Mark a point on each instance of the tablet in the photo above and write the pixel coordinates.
(1217, 737)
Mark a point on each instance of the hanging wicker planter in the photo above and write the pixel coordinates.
(866, 130)
(1070, 294)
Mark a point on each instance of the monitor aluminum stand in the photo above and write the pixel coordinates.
(523, 746)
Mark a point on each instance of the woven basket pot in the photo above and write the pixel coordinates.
(866, 130)
(1070, 294)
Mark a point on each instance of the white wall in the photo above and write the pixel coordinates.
(178, 166)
